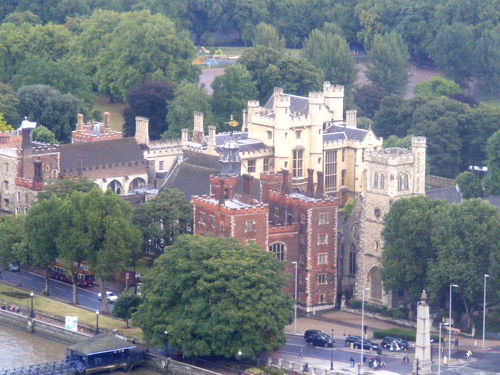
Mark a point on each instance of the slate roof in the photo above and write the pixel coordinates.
(297, 103)
(114, 151)
(101, 343)
(450, 194)
(336, 132)
(241, 138)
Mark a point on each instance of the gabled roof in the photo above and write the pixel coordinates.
(101, 343)
(297, 103)
(336, 132)
(91, 154)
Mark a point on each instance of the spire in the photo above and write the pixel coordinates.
(230, 162)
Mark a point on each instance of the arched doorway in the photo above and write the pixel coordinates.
(375, 282)
(116, 187)
(137, 183)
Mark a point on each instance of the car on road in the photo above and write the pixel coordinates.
(13, 267)
(109, 295)
(311, 332)
(356, 343)
(321, 339)
(394, 344)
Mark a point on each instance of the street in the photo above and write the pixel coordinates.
(87, 298)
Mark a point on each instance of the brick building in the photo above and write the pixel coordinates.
(299, 227)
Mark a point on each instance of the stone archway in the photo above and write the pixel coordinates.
(137, 183)
(375, 283)
(116, 186)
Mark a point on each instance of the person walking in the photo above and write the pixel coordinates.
(353, 362)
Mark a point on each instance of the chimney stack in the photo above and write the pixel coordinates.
(142, 130)
(107, 116)
(319, 187)
(351, 118)
(198, 132)
(310, 182)
(211, 139)
(247, 188)
(26, 141)
(285, 188)
(79, 124)
(184, 137)
(37, 175)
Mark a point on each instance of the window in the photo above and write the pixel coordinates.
(222, 226)
(322, 239)
(322, 258)
(375, 180)
(251, 166)
(343, 155)
(6, 203)
(331, 170)
(323, 218)
(406, 181)
(266, 165)
(279, 249)
(211, 220)
(352, 261)
(382, 181)
(376, 245)
(250, 226)
(18, 195)
(298, 134)
(400, 181)
(344, 174)
(17, 210)
(269, 135)
(286, 135)
(363, 155)
(162, 165)
(277, 212)
(6, 167)
(202, 218)
(6, 185)
(297, 163)
(321, 298)
(322, 278)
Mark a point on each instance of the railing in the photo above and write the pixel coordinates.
(47, 368)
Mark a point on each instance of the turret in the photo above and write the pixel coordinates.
(418, 149)
(334, 100)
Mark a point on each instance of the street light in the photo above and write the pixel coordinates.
(331, 357)
(439, 360)
(32, 312)
(363, 324)
(449, 326)
(97, 322)
(484, 305)
(238, 357)
(295, 306)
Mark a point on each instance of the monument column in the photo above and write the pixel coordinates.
(422, 364)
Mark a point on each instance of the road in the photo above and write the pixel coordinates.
(87, 298)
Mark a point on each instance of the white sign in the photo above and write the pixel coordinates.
(71, 323)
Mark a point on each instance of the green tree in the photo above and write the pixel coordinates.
(48, 107)
(493, 152)
(330, 53)
(215, 296)
(247, 14)
(9, 104)
(267, 36)
(231, 93)
(393, 141)
(188, 99)
(435, 87)
(162, 219)
(487, 64)
(126, 305)
(368, 98)
(465, 237)
(386, 119)
(388, 63)
(42, 134)
(19, 18)
(408, 249)
(469, 184)
(143, 47)
(13, 247)
(63, 188)
(4, 127)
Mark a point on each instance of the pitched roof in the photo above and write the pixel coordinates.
(450, 194)
(107, 152)
(101, 343)
(297, 103)
(336, 132)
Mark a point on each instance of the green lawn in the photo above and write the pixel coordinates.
(60, 310)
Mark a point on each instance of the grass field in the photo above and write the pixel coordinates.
(60, 310)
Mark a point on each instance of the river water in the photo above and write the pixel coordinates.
(18, 348)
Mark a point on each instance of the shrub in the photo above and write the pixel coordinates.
(354, 303)
(18, 295)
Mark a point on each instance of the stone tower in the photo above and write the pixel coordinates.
(389, 174)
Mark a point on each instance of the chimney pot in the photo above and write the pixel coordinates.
(319, 187)
(107, 117)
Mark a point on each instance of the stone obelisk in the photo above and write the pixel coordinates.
(422, 364)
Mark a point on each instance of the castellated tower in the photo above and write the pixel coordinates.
(389, 174)
(334, 100)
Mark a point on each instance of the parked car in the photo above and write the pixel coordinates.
(356, 343)
(321, 339)
(109, 295)
(311, 332)
(394, 343)
(13, 267)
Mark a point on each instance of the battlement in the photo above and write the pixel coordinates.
(253, 104)
(418, 142)
(333, 90)
(282, 101)
(390, 156)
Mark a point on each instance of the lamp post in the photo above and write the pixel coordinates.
(32, 312)
(238, 357)
(295, 305)
(439, 357)
(449, 324)
(96, 322)
(331, 357)
(363, 324)
(484, 305)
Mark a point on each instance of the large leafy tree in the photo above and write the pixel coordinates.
(188, 98)
(436, 87)
(215, 296)
(162, 219)
(9, 104)
(465, 237)
(62, 188)
(43, 134)
(48, 107)
(13, 247)
(150, 100)
(231, 93)
(469, 184)
(388, 63)
(267, 36)
(493, 152)
(367, 98)
(126, 305)
(330, 52)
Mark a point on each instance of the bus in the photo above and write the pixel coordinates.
(85, 277)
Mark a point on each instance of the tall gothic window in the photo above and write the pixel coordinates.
(406, 181)
(375, 180)
(382, 181)
(400, 182)
(278, 248)
(297, 163)
(330, 170)
(352, 260)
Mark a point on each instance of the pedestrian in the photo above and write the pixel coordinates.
(301, 354)
(353, 362)
(406, 358)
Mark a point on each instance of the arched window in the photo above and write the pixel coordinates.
(137, 183)
(382, 181)
(375, 282)
(352, 260)
(400, 182)
(116, 187)
(279, 249)
(406, 182)
(375, 180)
